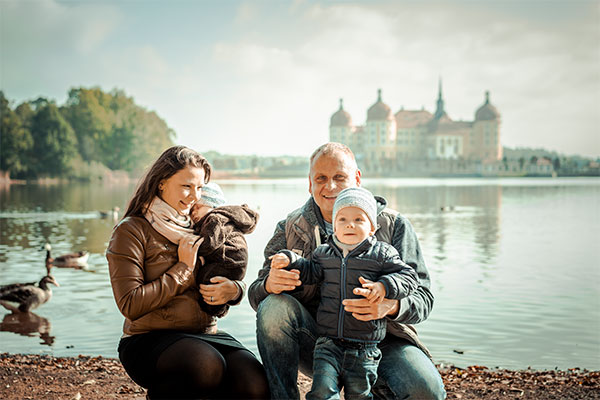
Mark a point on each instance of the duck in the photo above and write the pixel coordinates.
(66, 260)
(27, 296)
(112, 214)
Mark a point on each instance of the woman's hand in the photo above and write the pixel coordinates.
(221, 291)
(188, 249)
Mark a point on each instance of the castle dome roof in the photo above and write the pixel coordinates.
(341, 117)
(379, 110)
(487, 112)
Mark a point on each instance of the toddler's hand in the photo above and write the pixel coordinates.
(376, 292)
(279, 261)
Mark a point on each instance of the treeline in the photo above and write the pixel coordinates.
(92, 132)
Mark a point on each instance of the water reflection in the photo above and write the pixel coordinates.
(508, 259)
(28, 324)
(448, 217)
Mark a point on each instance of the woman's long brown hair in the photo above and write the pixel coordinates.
(168, 164)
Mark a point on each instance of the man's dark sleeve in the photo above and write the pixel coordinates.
(416, 307)
(399, 279)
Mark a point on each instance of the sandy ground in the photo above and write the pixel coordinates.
(24, 376)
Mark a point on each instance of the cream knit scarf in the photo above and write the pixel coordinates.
(168, 222)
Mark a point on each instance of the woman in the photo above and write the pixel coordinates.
(170, 345)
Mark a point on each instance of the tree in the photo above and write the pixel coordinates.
(15, 141)
(556, 163)
(86, 111)
(54, 142)
(92, 127)
(112, 129)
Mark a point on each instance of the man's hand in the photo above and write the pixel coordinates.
(364, 310)
(279, 279)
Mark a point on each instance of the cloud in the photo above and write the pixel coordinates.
(42, 40)
(265, 77)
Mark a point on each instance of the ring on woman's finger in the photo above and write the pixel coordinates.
(211, 300)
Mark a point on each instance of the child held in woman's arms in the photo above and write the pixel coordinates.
(223, 252)
(352, 264)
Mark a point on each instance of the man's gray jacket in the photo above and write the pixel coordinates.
(304, 230)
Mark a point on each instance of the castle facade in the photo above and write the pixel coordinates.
(392, 140)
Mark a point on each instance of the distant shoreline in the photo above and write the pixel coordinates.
(229, 176)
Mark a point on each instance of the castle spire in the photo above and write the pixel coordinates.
(378, 94)
(439, 111)
(341, 104)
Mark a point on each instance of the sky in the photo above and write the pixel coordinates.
(264, 77)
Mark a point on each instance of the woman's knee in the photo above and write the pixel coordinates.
(194, 363)
(245, 376)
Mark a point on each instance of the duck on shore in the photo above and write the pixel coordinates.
(66, 260)
(27, 296)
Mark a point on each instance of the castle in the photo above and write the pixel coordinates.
(390, 140)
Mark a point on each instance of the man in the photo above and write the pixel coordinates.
(286, 327)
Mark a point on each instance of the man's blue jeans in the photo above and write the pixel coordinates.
(286, 336)
(354, 368)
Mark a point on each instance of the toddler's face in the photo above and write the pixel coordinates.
(198, 211)
(352, 225)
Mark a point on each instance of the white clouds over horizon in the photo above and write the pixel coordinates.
(265, 77)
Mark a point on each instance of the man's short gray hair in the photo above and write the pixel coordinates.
(331, 148)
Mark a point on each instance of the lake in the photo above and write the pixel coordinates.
(515, 265)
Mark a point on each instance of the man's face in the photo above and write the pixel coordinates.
(329, 175)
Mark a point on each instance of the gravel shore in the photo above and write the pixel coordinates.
(27, 376)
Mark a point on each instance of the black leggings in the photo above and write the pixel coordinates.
(191, 368)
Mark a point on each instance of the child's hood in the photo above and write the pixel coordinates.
(243, 217)
(381, 204)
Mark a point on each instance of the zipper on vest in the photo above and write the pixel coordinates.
(342, 297)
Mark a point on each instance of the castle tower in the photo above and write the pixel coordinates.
(380, 131)
(340, 125)
(485, 137)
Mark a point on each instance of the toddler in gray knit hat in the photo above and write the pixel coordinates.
(354, 220)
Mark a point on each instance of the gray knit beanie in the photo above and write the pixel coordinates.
(212, 195)
(357, 197)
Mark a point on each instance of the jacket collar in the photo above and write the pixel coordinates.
(361, 247)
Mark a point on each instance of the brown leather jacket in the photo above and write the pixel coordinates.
(153, 290)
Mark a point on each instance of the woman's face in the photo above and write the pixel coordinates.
(183, 189)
